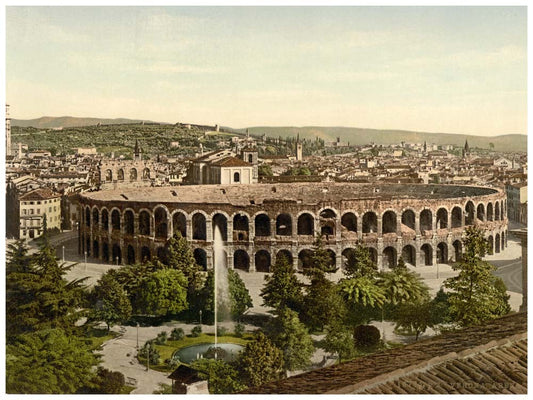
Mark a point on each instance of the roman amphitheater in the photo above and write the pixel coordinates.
(423, 224)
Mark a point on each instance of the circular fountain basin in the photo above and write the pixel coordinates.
(191, 353)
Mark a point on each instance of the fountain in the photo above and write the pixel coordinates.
(221, 295)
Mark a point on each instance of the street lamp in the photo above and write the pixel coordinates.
(148, 356)
(116, 259)
(63, 253)
(200, 317)
(137, 336)
(85, 255)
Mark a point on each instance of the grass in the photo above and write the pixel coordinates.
(127, 389)
(97, 337)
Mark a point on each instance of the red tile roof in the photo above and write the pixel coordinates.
(39, 194)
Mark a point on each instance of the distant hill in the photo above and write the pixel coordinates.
(69, 122)
(360, 136)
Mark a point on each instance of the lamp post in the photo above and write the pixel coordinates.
(200, 317)
(137, 336)
(63, 253)
(116, 259)
(148, 356)
(85, 255)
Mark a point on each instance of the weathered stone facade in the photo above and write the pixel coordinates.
(422, 223)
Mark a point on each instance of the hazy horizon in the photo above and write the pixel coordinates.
(460, 70)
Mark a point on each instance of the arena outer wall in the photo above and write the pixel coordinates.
(424, 224)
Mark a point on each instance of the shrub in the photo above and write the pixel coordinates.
(161, 338)
(177, 334)
(110, 382)
(239, 329)
(154, 353)
(196, 331)
(221, 331)
(366, 336)
(172, 363)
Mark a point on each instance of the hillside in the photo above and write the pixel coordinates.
(70, 122)
(360, 136)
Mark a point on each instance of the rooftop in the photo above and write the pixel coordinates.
(39, 194)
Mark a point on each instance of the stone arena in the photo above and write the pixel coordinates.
(424, 224)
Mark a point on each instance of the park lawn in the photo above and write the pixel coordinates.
(97, 337)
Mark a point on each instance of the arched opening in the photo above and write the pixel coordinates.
(457, 217)
(96, 249)
(408, 219)
(198, 227)
(250, 159)
(120, 175)
(389, 257)
(497, 212)
(409, 255)
(373, 254)
(503, 210)
(304, 259)
(133, 175)
(200, 256)
(161, 223)
(427, 251)
(262, 225)
(348, 257)
(87, 217)
(105, 219)
(490, 240)
(117, 254)
(128, 222)
(236, 177)
(240, 227)
(332, 258)
(490, 216)
(179, 223)
(458, 250)
(241, 260)
(426, 221)
(262, 261)
(349, 222)
(105, 252)
(306, 224)
(442, 218)
(389, 222)
(131, 254)
(442, 253)
(144, 223)
(481, 212)
(497, 243)
(88, 246)
(145, 254)
(221, 222)
(285, 254)
(108, 175)
(162, 254)
(95, 217)
(284, 225)
(470, 213)
(115, 220)
(327, 222)
(146, 174)
(503, 241)
(370, 222)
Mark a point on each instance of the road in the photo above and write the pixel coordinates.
(511, 273)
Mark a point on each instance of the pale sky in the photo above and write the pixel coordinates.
(436, 69)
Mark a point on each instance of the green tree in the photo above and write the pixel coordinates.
(414, 317)
(180, 257)
(360, 263)
(282, 288)
(473, 296)
(265, 169)
(320, 261)
(363, 296)
(291, 336)
(222, 377)
(339, 341)
(108, 382)
(323, 304)
(162, 292)
(239, 295)
(401, 286)
(48, 362)
(112, 304)
(261, 362)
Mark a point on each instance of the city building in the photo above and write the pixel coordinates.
(517, 202)
(34, 207)
(224, 167)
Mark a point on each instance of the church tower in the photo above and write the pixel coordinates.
(299, 149)
(137, 152)
(8, 132)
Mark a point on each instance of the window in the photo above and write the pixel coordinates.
(23, 212)
(31, 211)
(38, 211)
(236, 177)
(49, 209)
(38, 202)
(55, 208)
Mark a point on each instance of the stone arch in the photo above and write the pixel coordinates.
(162, 254)
(348, 257)
(304, 259)
(105, 252)
(503, 241)
(146, 174)
(470, 213)
(373, 254)
(161, 222)
(284, 225)
(115, 220)
(458, 249)
(200, 256)
(262, 225)
(409, 255)
(87, 217)
(96, 249)
(146, 255)
(220, 220)
(480, 212)
(241, 227)
(370, 222)
(427, 252)
(457, 217)
(497, 243)
(120, 174)
(130, 255)
(144, 222)
(389, 257)
(241, 260)
(199, 226)
(105, 219)
(442, 253)
(133, 174)
(236, 177)
(108, 175)
(327, 221)
(490, 240)
(426, 220)
(408, 219)
(129, 223)
(96, 216)
(497, 211)
(442, 218)
(332, 257)
(349, 221)
(490, 214)
(179, 223)
(306, 224)
(262, 261)
(388, 222)
(286, 254)
(117, 254)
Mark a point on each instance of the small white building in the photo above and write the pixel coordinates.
(33, 206)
